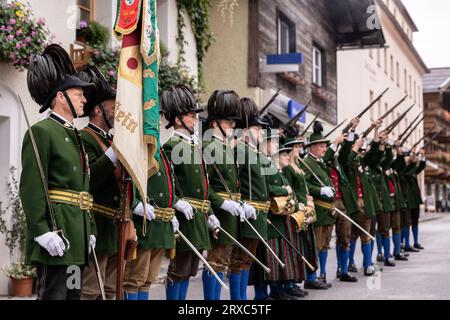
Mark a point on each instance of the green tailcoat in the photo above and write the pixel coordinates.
(258, 164)
(275, 183)
(161, 194)
(397, 166)
(63, 169)
(297, 182)
(324, 215)
(104, 189)
(191, 181)
(377, 168)
(220, 157)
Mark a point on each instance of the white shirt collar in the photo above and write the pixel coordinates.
(314, 157)
(182, 133)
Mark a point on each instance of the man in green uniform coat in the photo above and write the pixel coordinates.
(103, 185)
(223, 109)
(191, 181)
(60, 239)
(323, 194)
(161, 224)
(255, 194)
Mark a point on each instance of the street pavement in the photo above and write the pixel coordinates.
(425, 276)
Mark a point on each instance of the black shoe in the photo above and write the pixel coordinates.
(389, 263)
(370, 271)
(282, 296)
(418, 246)
(380, 258)
(411, 249)
(315, 285)
(348, 278)
(399, 257)
(338, 273)
(323, 278)
(296, 292)
(352, 268)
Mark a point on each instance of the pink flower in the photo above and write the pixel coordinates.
(12, 21)
(111, 73)
(12, 56)
(33, 33)
(10, 37)
(18, 32)
(3, 28)
(9, 28)
(18, 45)
(41, 21)
(83, 24)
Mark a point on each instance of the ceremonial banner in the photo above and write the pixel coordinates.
(136, 126)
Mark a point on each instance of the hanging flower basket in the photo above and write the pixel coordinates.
(21, 35)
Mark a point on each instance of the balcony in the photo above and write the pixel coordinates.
(80, 54)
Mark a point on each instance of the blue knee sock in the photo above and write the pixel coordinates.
(244, 284)
(218, 289)
(344, 254)
(235, 285)
(415, 232)
(387, 248)
(379, 244)
(396, 237)
(172, 290)
(261, 292)
(372, 246)
(184, 285)
(311, 277)
(407, 245)
(367, 254)
(143, 295)
(130, 295)
(402, 241)
(338, 257)
(323, 254)
(352, 252)
(209, 284)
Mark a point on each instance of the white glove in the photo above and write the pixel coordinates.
(233, 207)
(250, 212)
(51, 242)
(185, 208)
(92, 242)
(150, 211)
(213, 222)
(327, 191)
(175, 224)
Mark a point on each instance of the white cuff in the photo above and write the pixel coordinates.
(333, 147)
(111, 155)
(351, 136)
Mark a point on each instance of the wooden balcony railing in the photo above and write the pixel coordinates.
(80, 54)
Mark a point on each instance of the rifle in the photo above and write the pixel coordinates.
(309, 125)
(335, 128)
(349, 126)
(297, 116)
(431, 139)
(372, 126)
(423, 138)
(125, 229)
(397, 121)
(267, 105)
(400, 137)
(411, 131)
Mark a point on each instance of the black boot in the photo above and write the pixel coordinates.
(323, 278)
(296, 292)
(400, 257)
(380, 258)
(370, 271)
(315, 285)
(348, 278)
(389, 263)
(352, 268)
(338, 273)
(418, 246)
(411, 249)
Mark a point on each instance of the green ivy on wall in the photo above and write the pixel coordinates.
(198, 12)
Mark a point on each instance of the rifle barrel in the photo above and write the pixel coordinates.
(309, 125)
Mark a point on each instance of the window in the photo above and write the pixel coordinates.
(398, 75)
(286, 34)
(385, 61)
(85, 15)
(410, 86)
(86, 10)
(415, 92)
(406, 81)
(318, 64)
(392, 67)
